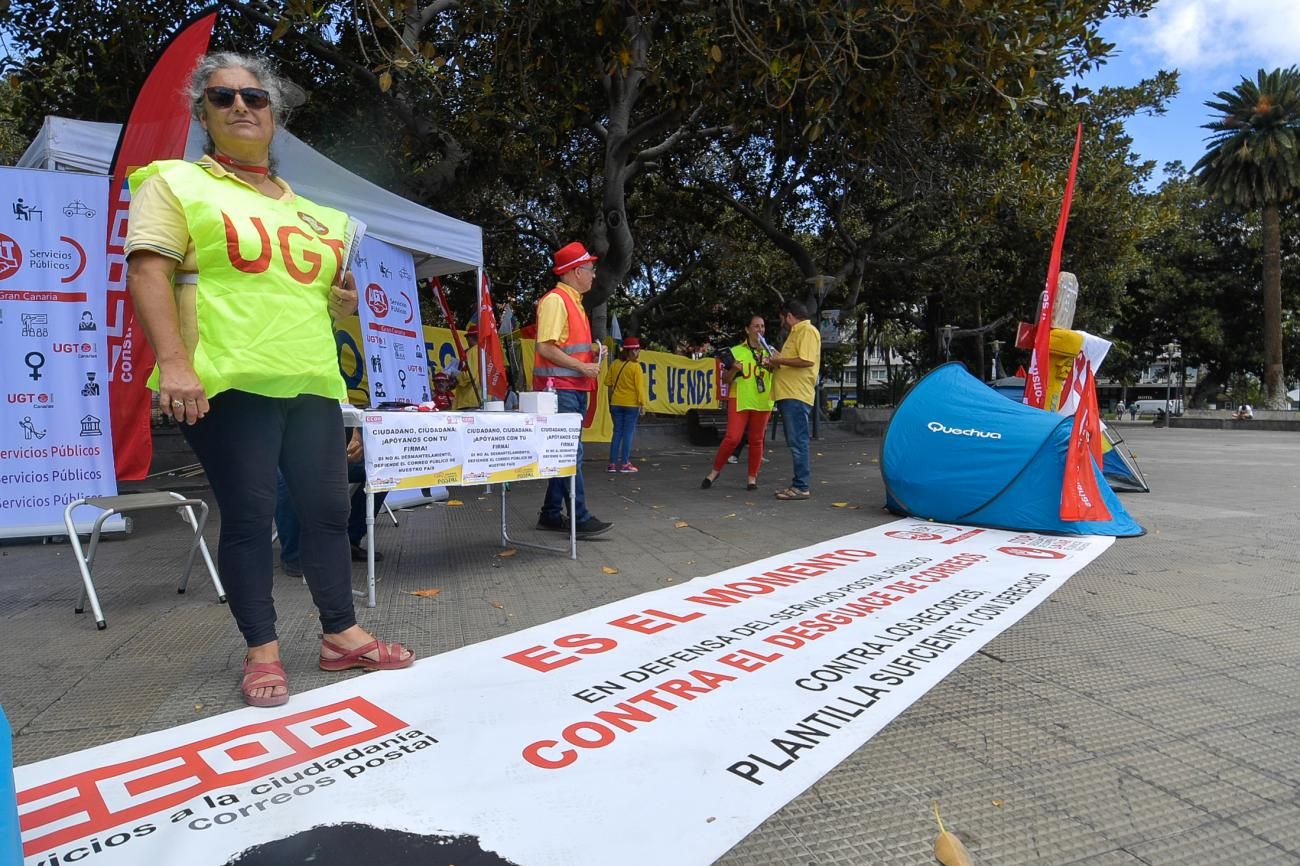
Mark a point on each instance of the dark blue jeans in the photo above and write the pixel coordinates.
(795, 415)
(557, 491)
(240, 442)
(620, 446)
(286, 519)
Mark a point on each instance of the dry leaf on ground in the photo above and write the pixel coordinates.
(609, 569)
(840, 504)
(498, 605)
(681, 524)
(948, 849)
(510, 552)
(425, 593)
(454, 502)
(725, 516)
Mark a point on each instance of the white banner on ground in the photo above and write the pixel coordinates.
(389, 310)
(55, 440)
(658, 729)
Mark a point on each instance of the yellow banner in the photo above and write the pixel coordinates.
(674, 384)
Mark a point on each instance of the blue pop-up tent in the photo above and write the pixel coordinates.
(959, 452)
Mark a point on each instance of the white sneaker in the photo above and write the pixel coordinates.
(732, 459)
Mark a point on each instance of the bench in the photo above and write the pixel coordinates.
(706, 427)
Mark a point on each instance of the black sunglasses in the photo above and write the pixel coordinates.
(254, 98)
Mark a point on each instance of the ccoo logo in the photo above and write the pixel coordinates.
(11, 257)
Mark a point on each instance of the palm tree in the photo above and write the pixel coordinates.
(1251, 162)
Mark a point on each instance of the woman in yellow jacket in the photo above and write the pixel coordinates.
(750, 404)
(626, 383)
(246, 360)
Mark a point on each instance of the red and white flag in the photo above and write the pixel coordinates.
(155, 129)
(1036, 383)
(1080, 495)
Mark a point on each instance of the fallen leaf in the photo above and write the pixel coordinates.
(198, 706)
(948, 849)
(454, 502)
(609, 569)
(998, 803)
(725, 516)
(498, 605)
(511, 552)
(425, 593)
(840, 504)
(681, 524)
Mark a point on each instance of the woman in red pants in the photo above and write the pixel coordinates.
(749, 405)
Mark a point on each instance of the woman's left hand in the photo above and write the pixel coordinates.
(343, 297)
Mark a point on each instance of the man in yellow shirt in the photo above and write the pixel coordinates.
(794, 390)
(568, 363)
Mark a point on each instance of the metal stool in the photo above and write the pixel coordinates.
(111, 505)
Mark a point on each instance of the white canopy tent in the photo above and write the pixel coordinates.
(439, 243)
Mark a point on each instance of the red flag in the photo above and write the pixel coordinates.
(438, 293)
(1080, 495)
(155, 129)
(489, 343)
(1036, 384)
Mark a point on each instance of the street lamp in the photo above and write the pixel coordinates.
(1170, 351)
(997, 352)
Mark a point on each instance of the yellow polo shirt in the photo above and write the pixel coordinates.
(553, 317)
(799, 383)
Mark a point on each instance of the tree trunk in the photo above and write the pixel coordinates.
(1274, 381)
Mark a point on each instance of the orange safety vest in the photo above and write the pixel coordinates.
(578, 347)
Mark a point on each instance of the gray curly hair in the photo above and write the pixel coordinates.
(261, 69)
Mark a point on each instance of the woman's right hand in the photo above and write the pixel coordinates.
(180, 393)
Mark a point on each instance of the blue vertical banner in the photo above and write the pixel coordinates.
(55, 437)
(391, 331)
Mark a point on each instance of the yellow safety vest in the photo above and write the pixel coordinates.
(265, 267)
(744, 388)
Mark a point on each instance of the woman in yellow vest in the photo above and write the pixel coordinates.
(236, 280)
(749, 404)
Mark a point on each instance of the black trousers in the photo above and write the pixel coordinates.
(240, 442)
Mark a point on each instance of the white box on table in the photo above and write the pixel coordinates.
(539, 402)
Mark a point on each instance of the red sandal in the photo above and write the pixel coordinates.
(264, 675)
(383, 657)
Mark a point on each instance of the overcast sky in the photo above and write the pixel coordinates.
(1213, 44)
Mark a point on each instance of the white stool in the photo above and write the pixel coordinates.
(111, 505)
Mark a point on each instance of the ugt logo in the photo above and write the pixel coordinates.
(377, 300)
(11, 257)
(90, 802)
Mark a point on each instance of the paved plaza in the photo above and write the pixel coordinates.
(1144, 714)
